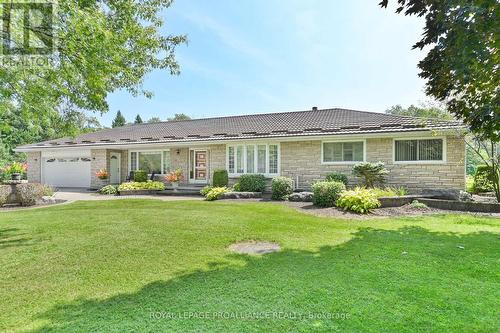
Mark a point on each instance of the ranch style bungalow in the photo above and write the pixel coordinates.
(304, 145)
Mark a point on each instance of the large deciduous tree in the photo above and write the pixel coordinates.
(463, 64)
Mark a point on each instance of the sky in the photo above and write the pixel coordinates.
(259, 56)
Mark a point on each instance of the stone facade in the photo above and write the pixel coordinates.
(34, 160)
(301, 161)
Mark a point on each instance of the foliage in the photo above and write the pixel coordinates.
(461, 66)
(252, 183)
(469, 184)
(431, 110)
(138, 119)
(119, 120)
(174, 176)
(237, 187)
(102, 174)
(326, 193)
(179, 117)
(154, 120)
(360, 200)
(220, 178)
(5, 191)
(281, 188)
(215, 193)
(370, 173)
(148, 185)
(15, 167)
(140, 176)
(489, 152)
(28, 194)
(482, 183)
(417, 204)
(390, 191)
(204, 191)
(337, 177)
(108, 190)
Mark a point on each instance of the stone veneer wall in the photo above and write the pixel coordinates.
(34, 160)
(303, 159)
(98, 160)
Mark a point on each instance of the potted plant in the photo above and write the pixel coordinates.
(102, 174)
(16, 170)
(174, 177)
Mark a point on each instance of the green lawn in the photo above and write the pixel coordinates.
(108, 266)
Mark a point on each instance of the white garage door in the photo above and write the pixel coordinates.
(66, 171)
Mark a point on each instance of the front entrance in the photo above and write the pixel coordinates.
(114, 168)
(198, 166)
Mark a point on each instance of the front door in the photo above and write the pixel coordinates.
(198, 166)
(114, 168)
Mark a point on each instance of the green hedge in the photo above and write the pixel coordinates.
(337, 177)
(281, 187)
(327, 193)
(252, 183)
(221, 178)
(140, 176)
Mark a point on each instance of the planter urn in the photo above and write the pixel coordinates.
(175, 186)
(16, 176)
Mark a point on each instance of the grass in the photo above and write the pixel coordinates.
(132, 265)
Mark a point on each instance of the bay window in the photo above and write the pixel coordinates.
(157, 162)
(253, 158)
(418, 150)
(339, 152)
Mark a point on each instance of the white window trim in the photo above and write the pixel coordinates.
(442, 161)
(255, 144)
(342, 162)
(129, 163)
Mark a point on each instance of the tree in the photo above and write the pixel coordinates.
(179, 116)
(424, 111)
(101, 47)
(138, 120)
(119, 120)
(489, 152)
(462, 67)
(154, 120)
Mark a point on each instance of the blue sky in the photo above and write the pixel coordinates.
(255, 56)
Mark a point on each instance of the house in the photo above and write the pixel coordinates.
(303, 145)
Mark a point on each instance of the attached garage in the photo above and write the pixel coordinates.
(66, 169)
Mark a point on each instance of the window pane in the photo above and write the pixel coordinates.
(230, 152)
(239, 160)
(133, 161)
(348, 152)
(273, 159)
(250, 159)
(261, 159)
(342, 151)
(430, 150)
(406, 150)
(332, 152)
(150, 162)
(166, 162)
(357, 151)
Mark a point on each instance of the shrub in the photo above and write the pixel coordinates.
(390, 191)
(204, 191)
(221, 178)
(108, 190)
(326, 193)
(252, 183)
(147, 185)
(370, 173)
(337, 177)
(360, 200)
(237, 187)
(28, 194)
(483, 179)
(215, 193)
(282, 187)
(469, 184)
(140, 176)
(4, 194)
(417, 204)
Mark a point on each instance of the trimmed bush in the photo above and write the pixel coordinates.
(215, 193)
(326, 193)
(237, 187)
(221, 178)
(204, 191)
(4, 194)
(252, 183)
(483, 179)
(282, 187)
(370, 173)
(140, 176)
(360, 200)
(108, 190)
(148, 185)
(28, 194)
(337, 177)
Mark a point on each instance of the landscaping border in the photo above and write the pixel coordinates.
(469, 206)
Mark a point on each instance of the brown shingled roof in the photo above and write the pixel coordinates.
(285, 124)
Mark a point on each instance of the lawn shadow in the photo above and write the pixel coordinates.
(10, 237)
(381, 280)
